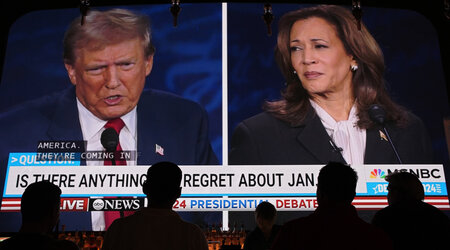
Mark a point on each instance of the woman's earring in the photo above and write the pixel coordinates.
(295, 72)
(354, 68)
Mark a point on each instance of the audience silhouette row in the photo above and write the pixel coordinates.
(406, 223)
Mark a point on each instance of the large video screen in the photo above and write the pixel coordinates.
(221, 57)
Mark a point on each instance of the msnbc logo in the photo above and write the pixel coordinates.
(377, 173)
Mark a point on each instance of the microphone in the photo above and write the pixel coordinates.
(335, 147)
(378, 115)
(110, 140)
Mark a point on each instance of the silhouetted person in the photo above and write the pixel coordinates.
(157, 226)
(410, 222)
(335, 223)
(39, 206)
(262, 237)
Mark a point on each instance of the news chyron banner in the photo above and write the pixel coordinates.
(205, 188)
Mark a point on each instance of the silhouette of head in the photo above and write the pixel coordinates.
(40, 203)
(162, 186)
(404, 186)
(336, 184)
(265, 215)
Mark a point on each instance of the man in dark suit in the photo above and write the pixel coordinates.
(107, 59)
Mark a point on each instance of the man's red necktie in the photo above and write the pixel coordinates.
(117, 124)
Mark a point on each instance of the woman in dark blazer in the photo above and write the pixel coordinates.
(334, 73)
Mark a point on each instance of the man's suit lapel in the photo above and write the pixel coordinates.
(65, 123)
(314, 138)
(145, 130)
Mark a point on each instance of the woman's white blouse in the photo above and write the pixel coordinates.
(345, 134)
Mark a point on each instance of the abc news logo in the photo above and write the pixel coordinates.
(116, 204)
